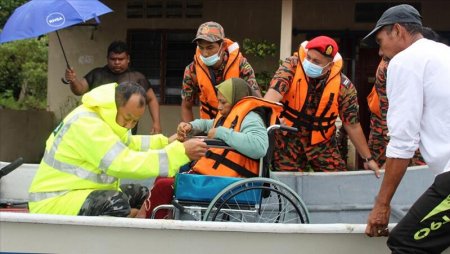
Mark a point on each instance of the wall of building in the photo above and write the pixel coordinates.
(23, 134)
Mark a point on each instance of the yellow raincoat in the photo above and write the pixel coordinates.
(89, 151)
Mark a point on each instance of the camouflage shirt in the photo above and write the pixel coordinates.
(378, 137)
(295, 150)
(191, 90)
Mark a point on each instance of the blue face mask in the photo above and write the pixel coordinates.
(312, 70)
(210, 60)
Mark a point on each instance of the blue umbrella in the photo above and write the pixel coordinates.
(39, 17)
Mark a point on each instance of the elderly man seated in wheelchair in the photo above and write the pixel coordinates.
(241, 124)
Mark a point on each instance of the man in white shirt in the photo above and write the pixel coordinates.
(418, 90)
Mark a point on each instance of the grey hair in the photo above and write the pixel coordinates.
(125, 90)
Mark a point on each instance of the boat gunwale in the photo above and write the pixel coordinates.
(99, 221)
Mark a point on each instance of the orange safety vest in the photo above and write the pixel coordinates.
(322, 124)
(208, 94)
(373, 100)
(227, 162)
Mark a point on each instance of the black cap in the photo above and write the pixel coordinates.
(403, 13)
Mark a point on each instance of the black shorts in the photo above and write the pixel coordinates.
(426, 226)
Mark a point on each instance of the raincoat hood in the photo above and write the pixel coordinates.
(102, 101)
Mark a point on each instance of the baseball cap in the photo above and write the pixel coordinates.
(324, 44)
(210, 31)
(403, 13)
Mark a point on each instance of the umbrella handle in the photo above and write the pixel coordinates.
(65, 81)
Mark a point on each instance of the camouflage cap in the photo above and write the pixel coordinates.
(210, 31)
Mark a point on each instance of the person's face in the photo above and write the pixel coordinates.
(224, 106)
(118, 63)
(129, 114)
(317, 58)
(207, 48)
(389, 41)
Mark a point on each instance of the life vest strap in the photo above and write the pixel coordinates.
(209, 110)
(312, 123)
(328, 120)
(230, 164)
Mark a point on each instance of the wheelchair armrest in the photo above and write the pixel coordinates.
(212, 142)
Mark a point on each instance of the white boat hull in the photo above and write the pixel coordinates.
(339, 206)
(71, 234)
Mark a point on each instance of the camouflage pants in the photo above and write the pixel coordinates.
(379, 139)
(114, 203)
(290, 154)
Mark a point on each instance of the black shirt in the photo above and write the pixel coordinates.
(103, 75)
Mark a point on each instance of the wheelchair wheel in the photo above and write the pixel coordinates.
(257, 200)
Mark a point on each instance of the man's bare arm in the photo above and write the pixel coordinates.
(186, 111)
(379, 216)
(77, 86)
(273, 95)
(153, 107)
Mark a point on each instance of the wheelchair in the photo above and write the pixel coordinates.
(227, 199)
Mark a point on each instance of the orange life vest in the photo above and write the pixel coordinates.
(227, 162)
(206, 83)
(322, 124)
(373, 100)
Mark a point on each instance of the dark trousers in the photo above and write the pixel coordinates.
(114, 203)
(426, 226)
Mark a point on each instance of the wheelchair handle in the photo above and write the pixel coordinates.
(274, 127)
(10, 167)
(288, 128)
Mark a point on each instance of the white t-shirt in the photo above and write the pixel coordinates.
(418, 90)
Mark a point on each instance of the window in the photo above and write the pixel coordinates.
(135, 8)
(162, 56)
(164, 9)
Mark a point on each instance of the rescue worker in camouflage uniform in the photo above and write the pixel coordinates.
(92, 148)
(378, 105)
(314, 93)
(217, 59)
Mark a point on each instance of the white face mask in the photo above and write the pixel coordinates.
(210, 60)
(312, 70)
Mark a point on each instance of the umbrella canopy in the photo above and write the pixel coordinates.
(38, 17)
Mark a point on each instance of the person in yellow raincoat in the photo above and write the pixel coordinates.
(92, 148)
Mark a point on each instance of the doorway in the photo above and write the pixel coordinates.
(162, 55)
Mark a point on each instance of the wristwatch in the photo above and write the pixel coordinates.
(366, 160)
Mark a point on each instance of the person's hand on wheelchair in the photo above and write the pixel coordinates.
(183, 130)
(195, 148)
